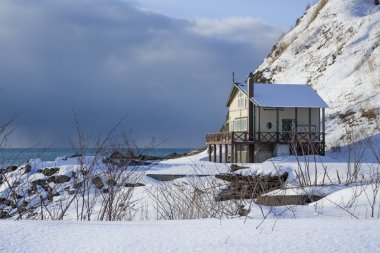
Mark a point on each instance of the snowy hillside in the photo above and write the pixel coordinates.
(335, 47)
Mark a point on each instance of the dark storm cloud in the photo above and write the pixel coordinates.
(109, 59)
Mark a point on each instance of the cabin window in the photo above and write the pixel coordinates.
(269, 125)
(305, 128)
(242, 101)
(240, 124)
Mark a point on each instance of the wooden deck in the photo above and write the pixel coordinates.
(299, 142)
(262, 137)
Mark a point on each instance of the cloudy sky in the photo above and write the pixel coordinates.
(166, 65)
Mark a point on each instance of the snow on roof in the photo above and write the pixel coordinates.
(285, 95)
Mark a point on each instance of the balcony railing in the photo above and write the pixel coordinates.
(263, 137)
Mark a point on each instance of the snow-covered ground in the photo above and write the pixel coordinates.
(340, 222)
(337, 52)
(292, 235)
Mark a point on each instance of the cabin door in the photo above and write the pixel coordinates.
(287, 129)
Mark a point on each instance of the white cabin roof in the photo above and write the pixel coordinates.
(285, 95)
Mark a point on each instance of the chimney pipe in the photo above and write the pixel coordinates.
(250, 117)
(250, 85)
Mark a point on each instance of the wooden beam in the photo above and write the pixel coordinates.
(209, 153)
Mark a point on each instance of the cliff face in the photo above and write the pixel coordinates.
(335, 47)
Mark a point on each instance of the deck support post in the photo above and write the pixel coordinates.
(225, 153)
(209, 153)
(214, 153)
(295, 139)
(310, 146)
(235, 154)
(323, 132)
(232, 152)
(220, 153)
(310, 123)
(277, 125)
(259, 126)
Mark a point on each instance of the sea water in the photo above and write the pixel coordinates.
(18, 156)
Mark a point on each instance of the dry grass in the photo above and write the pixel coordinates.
(370, 114)
(347, 116)
(317, 10)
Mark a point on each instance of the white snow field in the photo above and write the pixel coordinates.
(338, 52)
(292, 235)
(339, 222)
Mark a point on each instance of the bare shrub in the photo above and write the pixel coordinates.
(373, 188)
(193, 197)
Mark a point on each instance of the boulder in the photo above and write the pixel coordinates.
(98, 182)
(27, 169)
(6, 202)
(62, 179)
(248, 187)
(51, 179)
(78, 185)
(111, 182)
(243, 211)
(32, 190)
(4, 215)
(39, 182)
(15, 195)
(83, 172)
(133, 184)
(49, 171)
(235, 167)
(76, 155)
(11, 168)
(286, 200)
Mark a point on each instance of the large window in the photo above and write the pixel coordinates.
(240, 124)
(242, 101)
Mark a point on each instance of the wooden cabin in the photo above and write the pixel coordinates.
(268, 120)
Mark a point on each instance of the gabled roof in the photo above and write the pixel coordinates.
(235, 88)
(282, 95)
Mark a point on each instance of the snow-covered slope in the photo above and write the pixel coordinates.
(335, 47)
